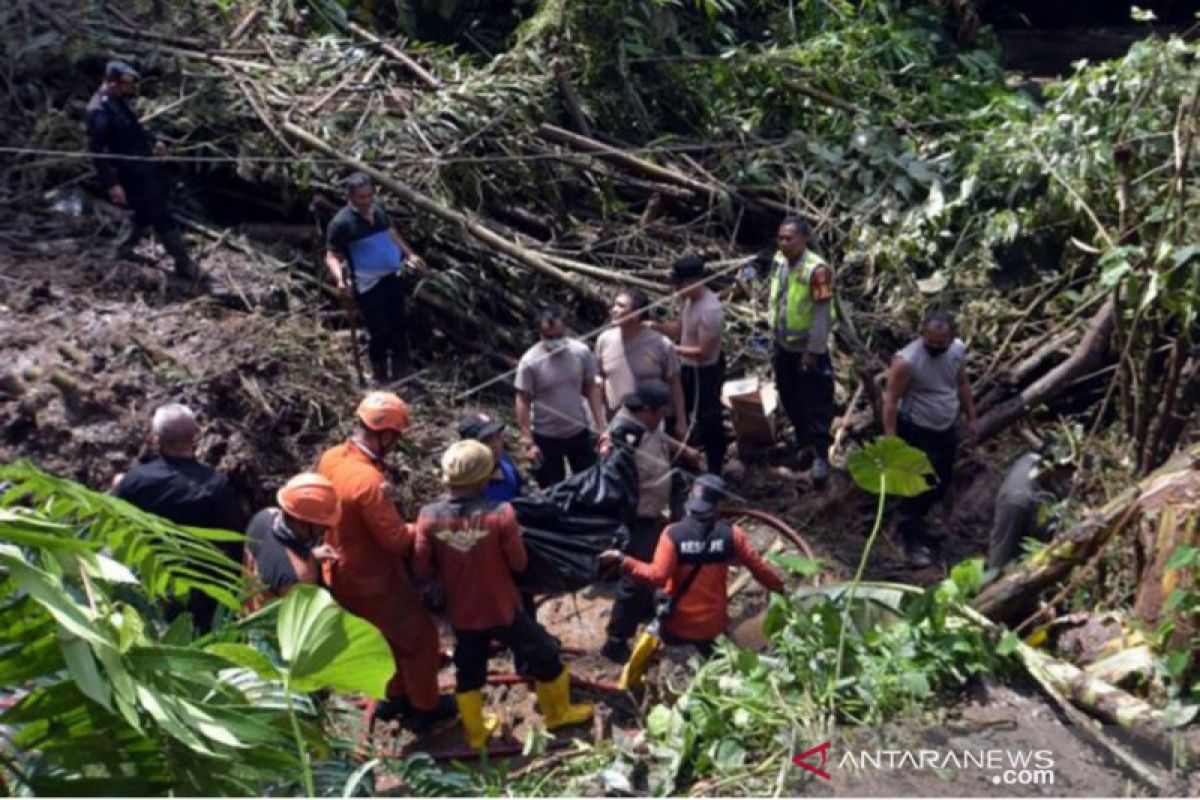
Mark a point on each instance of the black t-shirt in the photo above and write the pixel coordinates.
(349, 226)
(269, 540)
(188, 493)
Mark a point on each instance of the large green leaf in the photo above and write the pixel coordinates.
(326, 647)
(168, 559)
(85, 672)
(19, 527)
(892, 466)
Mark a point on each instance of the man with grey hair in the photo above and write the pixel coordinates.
(177, 487)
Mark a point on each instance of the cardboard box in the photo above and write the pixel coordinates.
(752, 403)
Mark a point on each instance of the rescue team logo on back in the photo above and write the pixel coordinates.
(461, 540)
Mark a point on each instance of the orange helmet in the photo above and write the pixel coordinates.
(383, 411)
(310, 497)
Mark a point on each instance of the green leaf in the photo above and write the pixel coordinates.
(1008, 644)
(85, 672)
(18, 527)
(1177, 662)
(50, 594)
(131, 628)
(916, 683)
(167, 659)
(658, 723)
(1182, 255)
(968, 576)
(1174, 600)
(243, 655)
(796, 564)
(328, 648)
(729, 754)
(890, 464)
(1184, 556)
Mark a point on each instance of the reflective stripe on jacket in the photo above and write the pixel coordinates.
(799, 296)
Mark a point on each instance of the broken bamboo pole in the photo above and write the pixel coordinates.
(399, 55)
(648, 168)
(469, 224)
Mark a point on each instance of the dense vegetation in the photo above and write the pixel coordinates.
(1059, 219)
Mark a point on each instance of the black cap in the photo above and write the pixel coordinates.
(649, 395)
(707, 491)
(479, 426)
(115, 69)
(688, 268)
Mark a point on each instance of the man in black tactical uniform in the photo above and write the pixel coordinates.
(123, 152)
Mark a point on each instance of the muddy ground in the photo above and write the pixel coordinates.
(90, 346)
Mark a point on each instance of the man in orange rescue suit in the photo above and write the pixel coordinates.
(283, 544)
(801, 316)
(370, 578)
(705, 545)
(474, 545)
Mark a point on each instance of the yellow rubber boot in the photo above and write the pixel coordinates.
(634, 673)
(555, 699)
(479, 726)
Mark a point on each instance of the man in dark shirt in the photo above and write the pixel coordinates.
(179, 488)
(123, 152)
(365, 255)
(283, 544)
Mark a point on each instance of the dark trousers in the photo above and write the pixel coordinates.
(577, 450)
(806, 397)
(1014, 521)
(634, 602)
(147, 197)
(702, 399)
(383, 313)
(535, 649)
(940, 447)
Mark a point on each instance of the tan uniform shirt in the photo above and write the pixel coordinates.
(622, 364)
(698, 319)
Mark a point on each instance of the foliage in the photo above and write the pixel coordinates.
(890, 466)
(569, 774)
(1180, 630)
(168, 560)
(743, 714)
(109, 698)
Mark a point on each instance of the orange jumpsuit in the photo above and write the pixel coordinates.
(370, 580)
(703, 612)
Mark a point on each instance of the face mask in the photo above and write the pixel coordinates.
(935, 351)
(555, 344)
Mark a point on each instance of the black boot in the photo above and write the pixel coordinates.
(128, 242)
(176, 247)
(423, 721)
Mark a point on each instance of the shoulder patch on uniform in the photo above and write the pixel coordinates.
(822, 283)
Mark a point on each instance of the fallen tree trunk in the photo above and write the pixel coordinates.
(1017, 591)
(1088, 356)
(1113, 706)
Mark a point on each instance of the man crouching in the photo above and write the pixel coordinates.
(475, 546)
